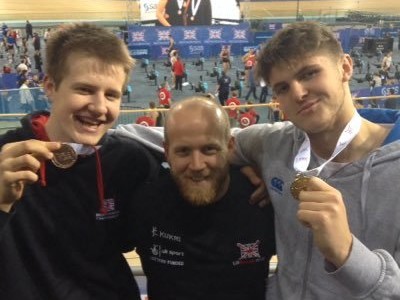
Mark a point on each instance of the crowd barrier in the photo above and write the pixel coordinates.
(12, 109)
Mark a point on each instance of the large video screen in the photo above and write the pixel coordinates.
(189, 12)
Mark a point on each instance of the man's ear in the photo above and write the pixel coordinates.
(347, 67)
(49, 87)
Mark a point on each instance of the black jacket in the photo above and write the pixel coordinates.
(56, 244)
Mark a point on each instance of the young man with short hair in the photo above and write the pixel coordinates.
(66, 182)
(329, 173)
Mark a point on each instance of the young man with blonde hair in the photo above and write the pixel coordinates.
(65, 182)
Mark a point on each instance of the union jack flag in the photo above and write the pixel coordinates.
(189, 35)
(250, 250)
(138, 36)
(164, 50)
(215, 34)
(239, 34)
(163, 35)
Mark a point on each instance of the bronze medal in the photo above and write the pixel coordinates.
(299, 184)
(64, 157)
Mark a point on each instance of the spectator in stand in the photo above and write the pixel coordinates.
(164, 95)
(225, 57)
(36, 42)
(248, 117)
(28, 30)
(172, 59)
(233, 110)
(6, 69)
(252, 81)
(46, 35)
(179, 71)
(387, 62)
(25, 96)
(264, 91)
(223, 87)
(248, 60)
(38, 61)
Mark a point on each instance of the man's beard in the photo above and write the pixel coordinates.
(200, 195)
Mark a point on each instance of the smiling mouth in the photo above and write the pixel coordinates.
(88, 123)
(306, 106)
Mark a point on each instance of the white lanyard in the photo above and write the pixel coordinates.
(303, 156)
(180, 3)
(195, 7)
(81, 149)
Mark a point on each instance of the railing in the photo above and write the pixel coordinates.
(12, 109)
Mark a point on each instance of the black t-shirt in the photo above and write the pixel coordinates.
(220, 251)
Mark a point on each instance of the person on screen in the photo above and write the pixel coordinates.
(184, 12)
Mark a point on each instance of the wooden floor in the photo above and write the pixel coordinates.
(117, 9)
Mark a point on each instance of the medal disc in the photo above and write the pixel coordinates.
(64, 157)
(192, 18)
(299, 184)
(179, 12)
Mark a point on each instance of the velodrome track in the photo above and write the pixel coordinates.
(117, 9)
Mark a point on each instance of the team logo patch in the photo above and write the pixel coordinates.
(249, 253)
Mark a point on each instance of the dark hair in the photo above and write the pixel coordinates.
(293, 43)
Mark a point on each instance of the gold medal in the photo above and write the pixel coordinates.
(64, 157)
(299, 184)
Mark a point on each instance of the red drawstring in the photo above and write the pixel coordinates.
(38, 122)
(100, 186)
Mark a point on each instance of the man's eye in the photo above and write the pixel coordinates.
(310, 74)
(113, 97)
(210, 150)
(280, 90)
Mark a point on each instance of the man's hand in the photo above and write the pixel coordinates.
(19, 163)
(260, 195)
(321, 208)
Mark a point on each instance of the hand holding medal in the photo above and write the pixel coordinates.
(19, 165)
(322, 209)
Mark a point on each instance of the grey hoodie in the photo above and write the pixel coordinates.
(371, 194)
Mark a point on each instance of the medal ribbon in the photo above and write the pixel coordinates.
(303, 156)
(195, 7)
(180, 3)
(81, 149)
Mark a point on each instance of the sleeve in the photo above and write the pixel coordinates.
(4, 217)
(369, 274)
(151, 137)
(250, 141)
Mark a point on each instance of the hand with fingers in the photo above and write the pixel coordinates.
(19, 164)
(321, 208)
(260, 195)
